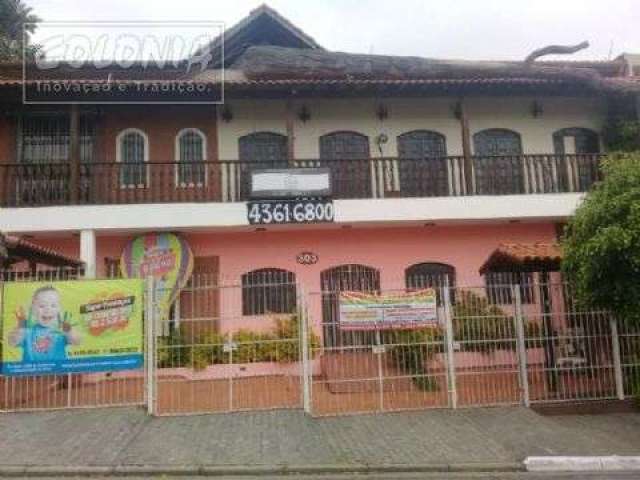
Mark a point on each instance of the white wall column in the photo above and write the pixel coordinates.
(88, 252)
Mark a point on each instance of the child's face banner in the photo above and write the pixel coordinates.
(72, 327)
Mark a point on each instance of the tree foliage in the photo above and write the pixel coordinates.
(17, 24)
(622, 135)
(602, 241)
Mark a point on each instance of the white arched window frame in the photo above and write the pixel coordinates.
(190, 174)
(133, 174)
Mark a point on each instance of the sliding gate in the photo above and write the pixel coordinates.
(227, 348)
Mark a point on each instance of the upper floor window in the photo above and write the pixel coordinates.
(346, 154)
(497, 165)
(344, 146)
(133, 153)
(44, 138)
(575, 140)
(423, 166)
(260, 150)
(191, 148)
(267, 148)
(497, 141)
(268, 290)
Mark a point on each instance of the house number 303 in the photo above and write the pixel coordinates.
(307, 258)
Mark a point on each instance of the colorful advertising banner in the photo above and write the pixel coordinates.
(370, 311)
(72, 327)
(164, 256)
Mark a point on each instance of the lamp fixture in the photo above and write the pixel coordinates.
(382, 112)
(304, 115)
(227, 113)
(536, 109)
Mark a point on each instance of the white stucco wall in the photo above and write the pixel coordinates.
(406, 114)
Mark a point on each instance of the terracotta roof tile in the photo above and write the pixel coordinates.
(524, 257)
(22, 248)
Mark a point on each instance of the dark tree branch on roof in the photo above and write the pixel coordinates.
(555, 50)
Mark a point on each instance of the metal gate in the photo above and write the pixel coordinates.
(494, 345)
(228, 348)
(265, 344)
(74, 390)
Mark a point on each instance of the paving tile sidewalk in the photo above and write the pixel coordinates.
(108, 437)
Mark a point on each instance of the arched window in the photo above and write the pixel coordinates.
(423, 166)
(346, 154)
(575, 140)
(268, 290)
(191, 152)
(497, 162)
(430, 275)
(344, 278)
(133, 152)
(259, 151)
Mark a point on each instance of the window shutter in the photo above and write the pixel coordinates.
(200, 299)
(112, 267)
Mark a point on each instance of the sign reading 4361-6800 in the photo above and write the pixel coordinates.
(290, 211)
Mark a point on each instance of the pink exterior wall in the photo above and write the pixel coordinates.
(390, 250)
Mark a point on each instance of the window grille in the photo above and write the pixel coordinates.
(497, 162)
(498, 286)
(430, 275)
(45, 139)
(133, 156)
(268, 290)
(191, 154)
(423, 163)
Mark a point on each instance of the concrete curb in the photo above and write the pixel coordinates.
(247, 470)
(612, 463)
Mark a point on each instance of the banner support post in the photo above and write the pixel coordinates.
(450, 356)
(150, 346)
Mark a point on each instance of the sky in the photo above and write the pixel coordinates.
(464, 29)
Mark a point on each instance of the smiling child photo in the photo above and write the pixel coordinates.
(45, 332)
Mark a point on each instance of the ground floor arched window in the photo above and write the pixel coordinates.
(344, 278)
(430, 275)
(268, 290)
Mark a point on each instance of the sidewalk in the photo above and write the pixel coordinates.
(482, 439)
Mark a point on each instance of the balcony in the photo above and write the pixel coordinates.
(49, 184)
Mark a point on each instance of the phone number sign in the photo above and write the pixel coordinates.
(290, 211)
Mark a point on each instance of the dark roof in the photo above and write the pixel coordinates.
(19, 249)
(270, 62)
(624, 84)
(263, 26)
(524, 257)
(266, 52)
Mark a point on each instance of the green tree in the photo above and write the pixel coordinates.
(602, 241)
(16, 18)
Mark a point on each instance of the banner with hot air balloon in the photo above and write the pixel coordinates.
(72, 326)
(164, 256)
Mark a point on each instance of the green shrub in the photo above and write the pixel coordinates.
(279, 344)
(411, 351)
(483, 327)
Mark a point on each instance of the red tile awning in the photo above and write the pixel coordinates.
(15, 249)
(524, 257)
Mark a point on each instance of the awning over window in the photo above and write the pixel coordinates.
(15, 250)
(524, 257)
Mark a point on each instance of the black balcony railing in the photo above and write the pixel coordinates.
(29, 185)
